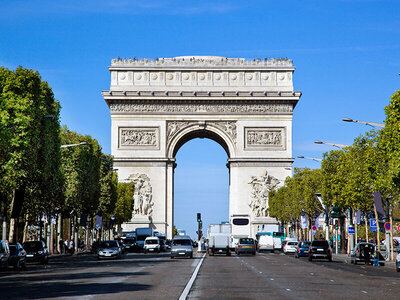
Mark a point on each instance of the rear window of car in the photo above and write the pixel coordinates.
(33, 246)
(246, 241)
(292, 243)
(181, 242)
(240, 221)
(304, 244)
(320, 244)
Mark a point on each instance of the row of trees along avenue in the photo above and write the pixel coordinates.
(49, 191)
(347, 181)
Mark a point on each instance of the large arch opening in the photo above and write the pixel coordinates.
(201, 182)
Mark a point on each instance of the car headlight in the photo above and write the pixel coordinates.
(100, 252)
(40, 252)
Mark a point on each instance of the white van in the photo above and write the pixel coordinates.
(277, 243)
(266, 243)
(152, 244)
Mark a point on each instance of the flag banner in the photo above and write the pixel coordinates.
(358, 214)
(319, 197)
(99, 220)
(317, 221)
(378, 204)
(304, 223)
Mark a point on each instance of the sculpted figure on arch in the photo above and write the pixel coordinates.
(142, 196)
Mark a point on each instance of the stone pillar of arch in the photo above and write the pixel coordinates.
(158, 105)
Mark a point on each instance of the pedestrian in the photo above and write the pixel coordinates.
(366, 254)
(376, 258)
(61, 244)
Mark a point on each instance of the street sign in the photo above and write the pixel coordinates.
(398, 227)
(351, 230)
(387, 226)
(372, 225)
(314, 228)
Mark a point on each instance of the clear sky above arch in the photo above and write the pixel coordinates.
(346, 53)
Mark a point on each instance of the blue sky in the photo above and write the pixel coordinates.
(347, 55)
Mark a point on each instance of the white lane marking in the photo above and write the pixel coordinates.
(186, 291)
(194, 263)
(364, 292)
(332, 280)
(288, 290)
(271, 279)
(311, 273)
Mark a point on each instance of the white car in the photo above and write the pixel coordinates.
(290, 247)
(152, 244)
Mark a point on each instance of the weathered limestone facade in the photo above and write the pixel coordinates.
(158, 105)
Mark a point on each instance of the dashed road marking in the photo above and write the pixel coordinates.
(332, 280)
(364, 292)
(186, 291)
(288, 290)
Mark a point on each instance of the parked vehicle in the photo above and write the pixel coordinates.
(290, 247)
(364, 248)
(36, 251)
(168, 244)
(219, 239)
(109, 249)
(142, 234)
(181, 246)
(320, 249)
(398, 259)
(303, 249)
(17, 257)
(152, 244)
(266, 243)
(4, 254)
(246, 245)
(277, 243)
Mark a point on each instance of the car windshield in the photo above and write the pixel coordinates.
(304, 244)
(129, 241)
(33, 246)
(246, 241)
(292, 243)
(182, 243)
(151, 242)
(109, 244)
(13, 249)
(320, 244)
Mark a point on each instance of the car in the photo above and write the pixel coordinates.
(245, 245)
(36, 251)
(121, 245)
(109, 249)
(303, 249)
(130, 244)
(266, 243)
(320, 249)
(17, 257)
(358, 253)
(398, 259)
(152, 244)
(4, 254)
(181, 246)
(290, 247)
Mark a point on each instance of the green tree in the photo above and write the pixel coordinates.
(124, 205)
(29, 143)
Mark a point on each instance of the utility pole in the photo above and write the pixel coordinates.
(199, 232)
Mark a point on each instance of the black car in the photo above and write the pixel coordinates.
(17, 256)
(130, 244)
(36, 251)
(4, 254)
(320, 249)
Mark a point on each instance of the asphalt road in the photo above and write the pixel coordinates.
(156, 276)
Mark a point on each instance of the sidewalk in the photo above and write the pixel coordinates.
(347, 259)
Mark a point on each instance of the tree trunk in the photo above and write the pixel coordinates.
(391, 238)
(25, 228)
(16, 207)
(377, 226)
(366, 226)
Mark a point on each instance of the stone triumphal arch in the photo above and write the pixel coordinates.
(158, 105)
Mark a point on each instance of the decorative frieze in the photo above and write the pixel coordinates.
(259, 108)
(201, 61)
(260, 138)
(139, 137)
(229, 127)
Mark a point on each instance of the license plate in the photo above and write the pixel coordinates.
(151, 249)
(320, 249)
(220, 251)
(247, 246)
(29, 255)
(181, 253)
(306, 251)
(108, 254)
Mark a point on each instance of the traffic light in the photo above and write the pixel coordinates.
(198, 217)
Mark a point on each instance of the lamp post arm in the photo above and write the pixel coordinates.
(73, 145)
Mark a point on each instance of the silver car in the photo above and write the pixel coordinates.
(182, 246)
(109, 249)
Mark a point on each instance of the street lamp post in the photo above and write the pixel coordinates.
(331, 144)
(311, 158)
(372, 124)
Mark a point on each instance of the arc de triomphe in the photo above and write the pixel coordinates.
(158, 105)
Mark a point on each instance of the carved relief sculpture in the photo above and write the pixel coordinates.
(142, 196)
(137, 136)
(265, 138)
(229, 127)
(260, 188)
